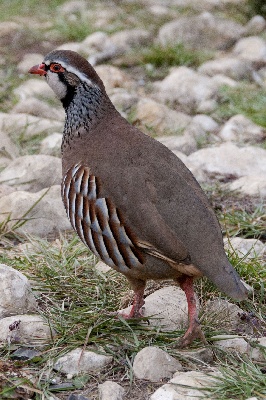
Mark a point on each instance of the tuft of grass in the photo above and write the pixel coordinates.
(24, 8)
(239, 382)
(244, 99)
(172, 55)
(244, 224)
(74, 30)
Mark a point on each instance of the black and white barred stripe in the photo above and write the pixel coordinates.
(97, 221)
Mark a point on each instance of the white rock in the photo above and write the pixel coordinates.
(33, 330)
(28, 60)
(258, 352)
(113, 77)
(110, 390)
(9, 28)
(123, 100)
(8, 150)
(160, 118)
(75, 362)
(191, 90)
(34, 87)
(230, 159)
(184, 386)
(129, 38)
(39, 108)
(233, 67)
(185, 143)
(16, 295)
(231, 343)
(5, 190)
(200, 356)
(252, 398)
(205, 123)
(102, 267)
(51, 145)
(240, 129)
(154, 364)
(248, 248)
(251, 48)
(256, 25)
(47, 217)
(32, 173)
(228, 314)
(168, 308)
(72, 6)
(214, 32)
(96, 41)
(28, 126)
(252, 185)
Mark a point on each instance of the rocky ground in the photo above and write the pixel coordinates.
(193, 75)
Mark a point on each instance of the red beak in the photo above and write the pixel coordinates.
(38, 69)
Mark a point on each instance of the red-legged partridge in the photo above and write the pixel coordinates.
(129, 198)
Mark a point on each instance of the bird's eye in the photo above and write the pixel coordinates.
(56, 68)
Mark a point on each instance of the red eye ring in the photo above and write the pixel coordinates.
(56, 68)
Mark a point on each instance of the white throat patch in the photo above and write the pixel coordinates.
(58, 86)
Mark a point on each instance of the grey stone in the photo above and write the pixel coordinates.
(74, 396)
(16, 295)
(185, 386)
(160, 118)
(231, 343)
(228, 315)
(111, 391)
(27, 126)
(252, 48)
(32, 173)
(240, 129)
(9, 28)
(247, 248)
(123, 100)
(256, 25)
(154, 364)
(228, 159)
(233, 67)
(214, 32)
(168, 308)
(39, 108)
(185, 143)
(25, 353)
(200, 356)
(77, 361)
(43, 212)
(190, 90)
(32, 330)
(8, 150)
(113, 77)
(251, 185)
(129, 38)
(34, 88)
(258, 350)
(51, 145)
(28, 60)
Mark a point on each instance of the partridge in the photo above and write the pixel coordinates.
(129, 198)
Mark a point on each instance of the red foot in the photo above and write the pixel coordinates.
(194, 331)
(138, 302)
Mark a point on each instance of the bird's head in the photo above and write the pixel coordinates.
(65, 71)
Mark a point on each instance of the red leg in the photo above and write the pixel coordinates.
(194, 331)
(138, 302)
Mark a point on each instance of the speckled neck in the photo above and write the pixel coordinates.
(84, 109)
